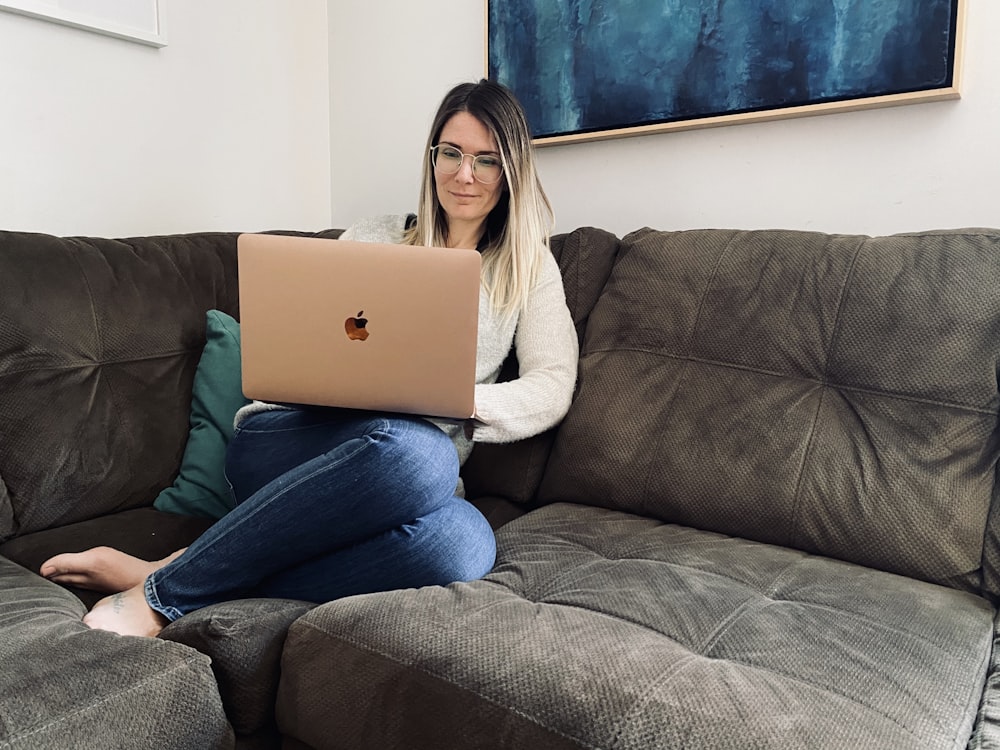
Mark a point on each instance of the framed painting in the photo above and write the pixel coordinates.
(133, 20)
(590, 69)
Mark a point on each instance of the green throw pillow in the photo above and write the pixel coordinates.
(201, 489)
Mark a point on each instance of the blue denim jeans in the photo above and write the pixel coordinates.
(330, 503)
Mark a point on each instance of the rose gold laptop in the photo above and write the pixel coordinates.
(359, 325)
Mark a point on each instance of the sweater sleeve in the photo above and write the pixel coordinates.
(547, 352)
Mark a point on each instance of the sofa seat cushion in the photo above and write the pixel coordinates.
(63, 685)
(599, 628)
(142, 532)
(244, 639)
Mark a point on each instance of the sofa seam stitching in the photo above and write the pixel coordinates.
(797, 494)
(768, 594)
(115, 399)
(687, 359)
(102, 362)
(646, 697)
(412, 665)
(822, 382)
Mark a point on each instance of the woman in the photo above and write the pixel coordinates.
(334, 502)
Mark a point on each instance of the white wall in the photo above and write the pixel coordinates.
(390, 66)
(225, 128)
(244, 121)
(888, 170)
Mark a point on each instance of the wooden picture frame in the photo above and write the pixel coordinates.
(592, 69)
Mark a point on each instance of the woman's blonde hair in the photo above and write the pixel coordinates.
(517, 229)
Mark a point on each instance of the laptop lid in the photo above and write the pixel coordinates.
(359, 325)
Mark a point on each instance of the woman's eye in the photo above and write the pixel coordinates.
(489, 161)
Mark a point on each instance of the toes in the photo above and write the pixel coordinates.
(51, 568)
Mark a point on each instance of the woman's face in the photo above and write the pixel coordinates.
(465, 199)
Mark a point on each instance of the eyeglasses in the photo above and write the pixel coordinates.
(447, 159)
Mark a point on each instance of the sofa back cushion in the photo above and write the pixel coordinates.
(510, 473)
(99, 341)
(836, 394)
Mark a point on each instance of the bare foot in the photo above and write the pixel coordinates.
(101, 569)
(126, 613)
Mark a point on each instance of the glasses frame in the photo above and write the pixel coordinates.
(475, 161)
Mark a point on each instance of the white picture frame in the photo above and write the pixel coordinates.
(133, 20)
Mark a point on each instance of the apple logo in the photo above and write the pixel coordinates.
(356, 327)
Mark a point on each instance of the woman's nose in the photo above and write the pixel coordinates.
(465, 172)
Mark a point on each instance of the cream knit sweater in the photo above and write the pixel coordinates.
(546, 346)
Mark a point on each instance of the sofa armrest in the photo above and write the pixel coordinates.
(65, 685)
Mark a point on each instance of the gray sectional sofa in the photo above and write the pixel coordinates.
(768, 521)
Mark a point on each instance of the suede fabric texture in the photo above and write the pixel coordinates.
(763, 523)
(663, 583)
(986, 733)
(833, 394)
(99, 342)
(598, 628)
(244, 640)
(67, 686)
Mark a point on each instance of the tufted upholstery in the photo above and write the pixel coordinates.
(64, 685)
(93, 365)
(833, 394)
(601, 629)
(99, 342)
(766, 522)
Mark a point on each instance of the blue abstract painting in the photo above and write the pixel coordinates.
(580, 66)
